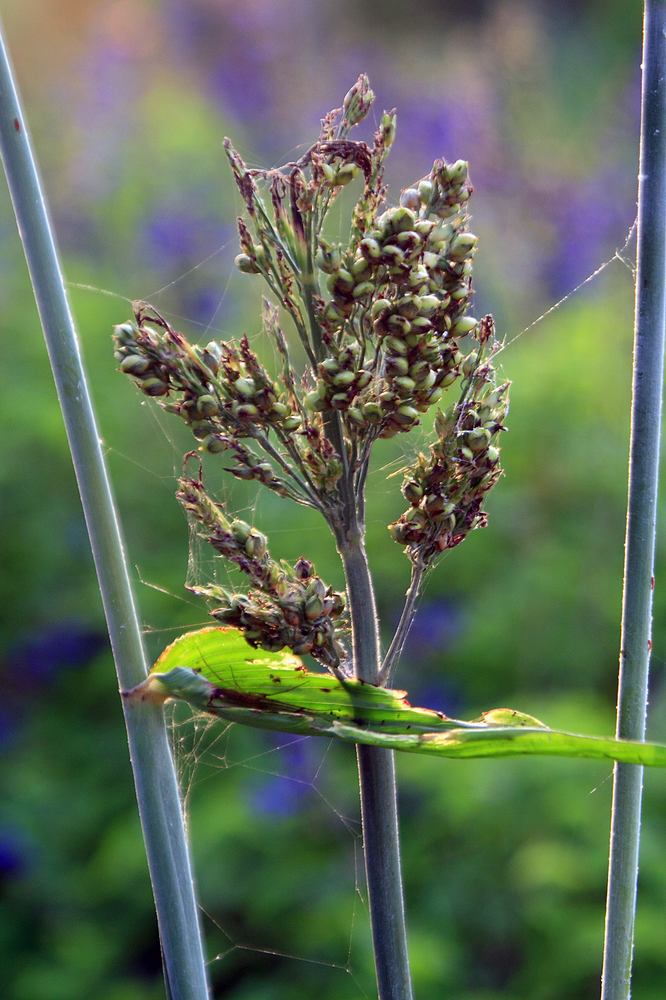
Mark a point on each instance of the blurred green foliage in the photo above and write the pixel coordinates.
(505, 861)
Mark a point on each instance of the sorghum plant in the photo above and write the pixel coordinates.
(384, 334)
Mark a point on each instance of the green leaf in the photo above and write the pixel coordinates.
(215, 671)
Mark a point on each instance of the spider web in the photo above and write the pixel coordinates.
(272, 781)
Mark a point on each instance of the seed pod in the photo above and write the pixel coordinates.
(409, 306)
(245, 387)
(457, 172)
(255, 546)
(429, 304)
(421, 325)
(372, 411)
(426, 382)
(214, 444)
(387, 129)
(303, 568)
(314, 608)
(207, 406)
(125, 333)
(154, 387)
(425, 190)
(378, 307)
(418, 276)
(464, 326)
(340, 281)
(327, 258)
(371, 249)
(399, 533)
(135, 364)
(339, 602)
(292, 423)
(246, 264)
(398, 325)
(405, 386)
(346, 173)
(392, 255)
(360, 266)
(315, 401)
(477, 439)
(364, 289)
(246, 411)
(201, 429)
(395, 345)
(462, 246)
(412, 491)
(401, 219)
(340, 401)
(406, 414)
(395, 365)
(240, 530)
(410, 199)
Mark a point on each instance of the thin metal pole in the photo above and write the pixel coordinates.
(154, 773)
(635, 642)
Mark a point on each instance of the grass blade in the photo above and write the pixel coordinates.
(226, 678)
(155, 779)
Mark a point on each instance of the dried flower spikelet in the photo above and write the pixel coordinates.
(288, 606)
(358, 101)
(447, 488)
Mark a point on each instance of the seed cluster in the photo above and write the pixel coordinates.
(228, 399)
(383, 328)
(287, 606)
(446, 488)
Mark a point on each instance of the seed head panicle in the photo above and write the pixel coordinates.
(383, 325)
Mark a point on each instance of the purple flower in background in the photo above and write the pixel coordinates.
(13, 855)
(437, 624)
(37, 658)
(243, 51)
(590, 219)
(440, 695)
(179, 237)
(284, 793)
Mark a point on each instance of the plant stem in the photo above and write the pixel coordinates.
(379, 808)
(154, 774)
(635, 639)
(406, 620)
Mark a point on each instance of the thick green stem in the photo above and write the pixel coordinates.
(635, 639)
(379, 809)
(154, 774)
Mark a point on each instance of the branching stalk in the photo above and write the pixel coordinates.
(405, 623)
(641, 514)
(379, 810)
(154, 774)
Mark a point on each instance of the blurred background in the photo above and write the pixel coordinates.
(505, 862)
